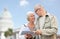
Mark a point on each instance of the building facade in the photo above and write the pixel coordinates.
(5, 22)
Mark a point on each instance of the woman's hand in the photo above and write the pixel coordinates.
(28, 35)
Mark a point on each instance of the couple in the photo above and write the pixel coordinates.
(45, 26)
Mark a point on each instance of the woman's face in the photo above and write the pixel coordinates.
(31, 17)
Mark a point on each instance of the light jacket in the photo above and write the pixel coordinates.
(49, 29)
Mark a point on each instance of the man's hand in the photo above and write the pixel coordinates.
(38, 32)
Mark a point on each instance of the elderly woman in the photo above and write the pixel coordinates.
(30, 25)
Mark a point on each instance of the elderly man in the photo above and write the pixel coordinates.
(46, 25)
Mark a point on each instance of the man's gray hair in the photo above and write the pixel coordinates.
(37, 6)
(28, 13)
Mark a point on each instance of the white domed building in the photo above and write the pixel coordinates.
(5, 22)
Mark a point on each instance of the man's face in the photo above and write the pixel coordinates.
(39, 11)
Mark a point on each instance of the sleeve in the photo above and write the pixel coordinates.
(53, 29)
(21, 36)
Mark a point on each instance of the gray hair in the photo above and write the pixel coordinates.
(37, 6)
(28, 13)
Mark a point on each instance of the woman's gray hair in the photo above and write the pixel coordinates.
(28, 13)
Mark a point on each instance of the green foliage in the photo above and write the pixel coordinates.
(8, 33)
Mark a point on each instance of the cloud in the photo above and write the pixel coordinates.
(23, 2)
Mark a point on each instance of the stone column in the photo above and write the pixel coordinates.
(2, 35)
(17, 36)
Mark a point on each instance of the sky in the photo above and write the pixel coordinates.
(19, 8)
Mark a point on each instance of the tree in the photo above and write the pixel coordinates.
(6, 33)
(9, 32)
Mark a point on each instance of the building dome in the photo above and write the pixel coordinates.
(5, 20)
